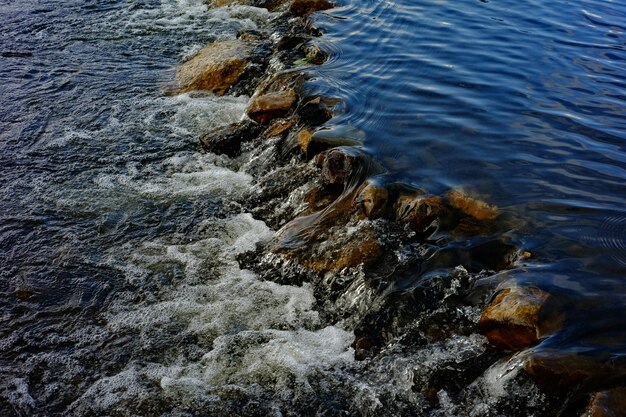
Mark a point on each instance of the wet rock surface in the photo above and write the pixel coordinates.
(221, 65)
(267, 107)
(303, 7)
(228, 139)
(611, 403)
(519, 317)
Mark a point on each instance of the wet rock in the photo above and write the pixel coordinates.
(321, 140)
(419, 210)
(346, 165)
(271, 5)
(228, 139)
(362, 247)
(558, 372)
(317, 110)
(314, 55)
(304, 139)
(267, 107)
(519, 317)
(471, 206)
(373, 199)
(280, 82)
(610, 403)
(280, 127)
(320, 197)
(216, 68)
(303, 7)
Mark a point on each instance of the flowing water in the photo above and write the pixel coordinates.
(121, 293)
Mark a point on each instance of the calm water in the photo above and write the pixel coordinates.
(120, 291)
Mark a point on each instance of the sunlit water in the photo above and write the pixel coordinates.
(120, 289)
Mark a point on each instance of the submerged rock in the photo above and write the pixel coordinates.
(228, 139)
(419, 210)
(217, 67)
(373, 199)
(610, 403)
(341, 251)
(302, 7)
(519, 317)
(316, 110)
(471, 206)
(314, 55)
(346, 165)
(325, 139)
(559, 372)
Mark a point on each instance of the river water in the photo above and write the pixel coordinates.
(121, 293)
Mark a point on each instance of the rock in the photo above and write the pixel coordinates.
(314, 55)
(419, 210)
(360, 248)
(325, 139)
(611, 403)
(280, 127)
(303, 7)
(269, 106)
(304, 139)
(558, 372)
(519, 317)
(315, 111)
(228, 139)
(478, 209)
(372, 200)
(319, 197)
(346, 165)
(216, 68)
(283, 81)
(271, 5)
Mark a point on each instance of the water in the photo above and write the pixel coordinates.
(121, 291)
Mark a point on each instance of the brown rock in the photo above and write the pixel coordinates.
(316, 110)
(519, 316)
(558, 372)
(611, 403)
(319, 198)
(372, 200)
(280, 127)
(321, 140)
(314, 54)
(478, 209)
(304, 139)
(302, 7)
(362, 248)
(419, 210)
(228, 139)
(269, 106)
(215, 68)
(346, 165)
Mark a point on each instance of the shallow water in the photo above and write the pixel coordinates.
(121, 292)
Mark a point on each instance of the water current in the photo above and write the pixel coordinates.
(120, 289)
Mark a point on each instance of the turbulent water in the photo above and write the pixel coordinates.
(121, 292)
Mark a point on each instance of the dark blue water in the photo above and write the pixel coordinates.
(119, 287)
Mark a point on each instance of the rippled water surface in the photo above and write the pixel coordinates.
(120, 288)
(522, 102)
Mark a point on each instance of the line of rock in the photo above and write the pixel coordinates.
(341, 220)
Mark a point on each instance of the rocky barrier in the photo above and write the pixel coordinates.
(397, 265)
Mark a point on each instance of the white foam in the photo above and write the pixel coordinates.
(262, 333)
